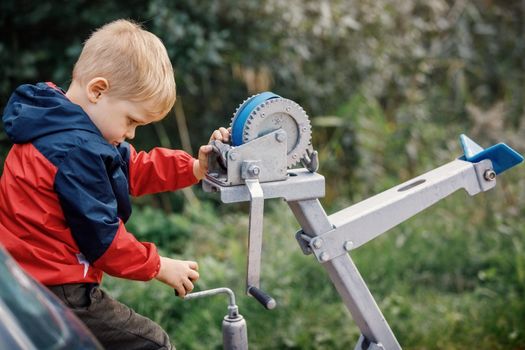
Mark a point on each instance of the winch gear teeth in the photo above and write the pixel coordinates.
(271, 113)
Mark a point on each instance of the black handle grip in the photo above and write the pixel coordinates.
(267, 301)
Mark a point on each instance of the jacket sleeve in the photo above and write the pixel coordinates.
(90, 208)
(159, 170)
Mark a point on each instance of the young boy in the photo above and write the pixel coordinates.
(64, 193)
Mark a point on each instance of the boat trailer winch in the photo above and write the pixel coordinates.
(269, 136)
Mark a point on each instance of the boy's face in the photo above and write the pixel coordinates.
(117, 119)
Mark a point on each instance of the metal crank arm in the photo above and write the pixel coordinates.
(255, 232)
(255, 238)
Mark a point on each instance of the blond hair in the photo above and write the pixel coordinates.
(133, 60)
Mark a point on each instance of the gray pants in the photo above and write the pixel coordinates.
(115, 325)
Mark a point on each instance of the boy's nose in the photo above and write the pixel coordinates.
(130, 134)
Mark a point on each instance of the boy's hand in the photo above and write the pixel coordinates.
(200, 168)
(178, 274)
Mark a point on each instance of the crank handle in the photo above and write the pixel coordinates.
(267, 301)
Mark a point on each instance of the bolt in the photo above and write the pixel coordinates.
(324, 256)
(280, 137)
(489, 175)
(294, 156)
(348, 245)
(233, 156)
(254, 170)
(317, 243)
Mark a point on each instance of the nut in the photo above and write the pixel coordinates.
(489, 175)
(348, 245)
(324, 257)
(280, 136)
(317, 243)
(254, 170)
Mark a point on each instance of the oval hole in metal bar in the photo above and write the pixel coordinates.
(411, 185)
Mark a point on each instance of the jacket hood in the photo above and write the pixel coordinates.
(37, 110)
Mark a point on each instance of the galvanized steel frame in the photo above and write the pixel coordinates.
(330, 238)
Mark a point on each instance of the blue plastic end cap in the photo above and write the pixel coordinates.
(502, 156)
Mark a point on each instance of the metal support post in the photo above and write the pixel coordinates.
(346, 278)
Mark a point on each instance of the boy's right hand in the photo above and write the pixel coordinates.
(178, 274)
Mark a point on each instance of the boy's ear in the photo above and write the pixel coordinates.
(95, 88)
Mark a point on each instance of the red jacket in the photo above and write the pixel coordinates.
(64, 192)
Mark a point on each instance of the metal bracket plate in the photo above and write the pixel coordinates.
(300, 184)
(268, 150)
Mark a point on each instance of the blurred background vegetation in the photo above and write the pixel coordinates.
(389, 85)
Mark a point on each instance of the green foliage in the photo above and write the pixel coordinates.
(389, 86)
(170, 231)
